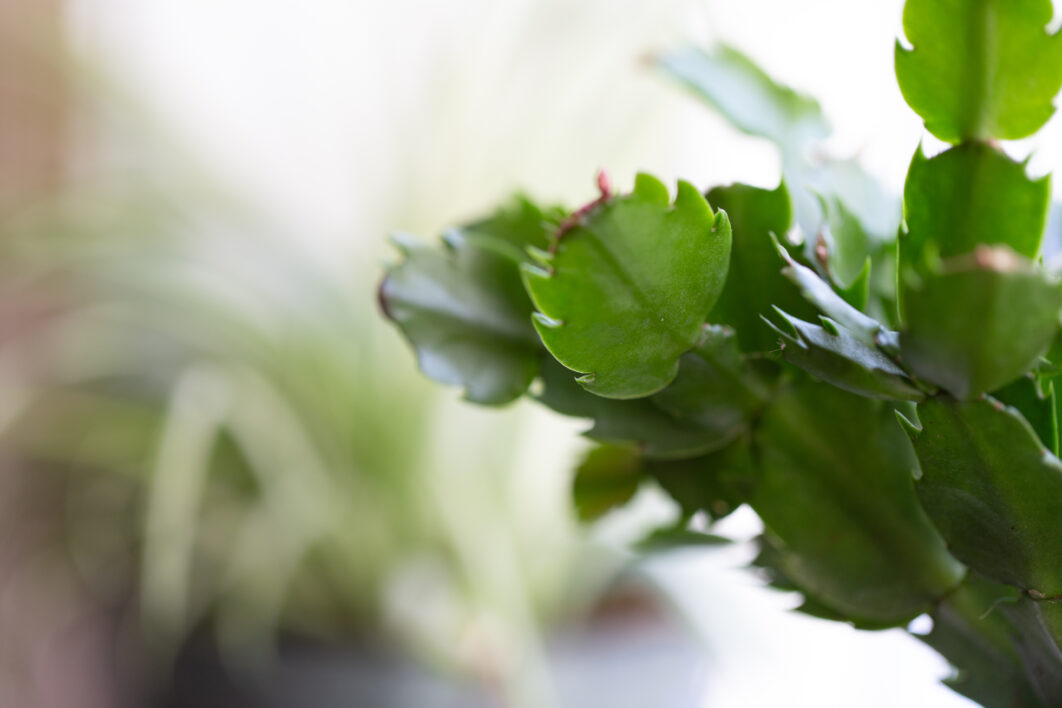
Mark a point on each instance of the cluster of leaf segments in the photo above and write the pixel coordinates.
(883, 397)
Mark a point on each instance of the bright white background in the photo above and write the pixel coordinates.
(344, 119)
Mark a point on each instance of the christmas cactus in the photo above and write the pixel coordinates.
(877, 383)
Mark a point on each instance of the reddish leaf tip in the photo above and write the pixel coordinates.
(604, 185)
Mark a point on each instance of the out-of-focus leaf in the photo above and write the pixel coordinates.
(831, 196)
(521, 224)
(882, 303)
(1048, 376)
(754, 283)
(835, 488)
(624, 292)
(1036, 625)
(857, 294)
(676, 537)
(975, 629)
(967, 196)
(1035, 400)
(610, 474)
(657, 433)
(992, 490)
(716, 483)
(848, 246)
(732, 84)
(837, 357)
(714, 387)
(980, 69)
(981, 322)
(813, 608)
(755, 104)
(863, 198)
(463, 310)
(844, 250)
(772, 560)
(608, 477)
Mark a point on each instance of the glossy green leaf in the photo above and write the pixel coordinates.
(754, 283)
(715, 387)
(970, 195)
(735, 86)
(640, 422)
(819, 293)
(992, 490)
(835, 489)
(624, 293)
(834, 355)
(607, 477)
(980, 323)
(463, 310)
(980, 69)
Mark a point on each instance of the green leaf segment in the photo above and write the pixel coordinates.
(461, 312)
(967, 196)
(623, 293)
(980, 322)
(834, 489)
(980, 69)
(720, 362)
(994, 490)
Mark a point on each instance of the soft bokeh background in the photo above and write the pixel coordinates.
(217, 457)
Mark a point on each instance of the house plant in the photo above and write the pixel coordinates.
(880, 390)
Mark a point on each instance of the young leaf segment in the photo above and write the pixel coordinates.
(883, 398)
